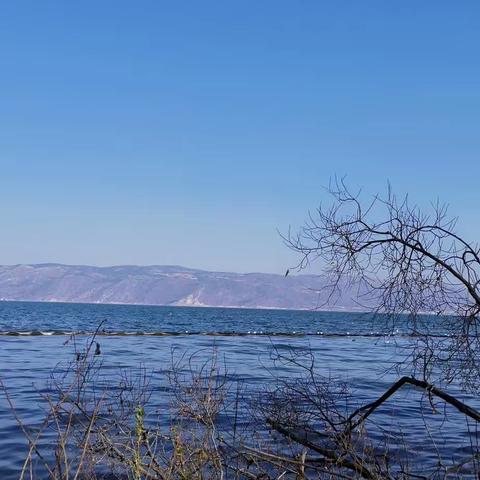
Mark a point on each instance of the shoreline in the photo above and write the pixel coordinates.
(220, 307)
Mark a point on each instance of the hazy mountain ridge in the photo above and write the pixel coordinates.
(163, 285)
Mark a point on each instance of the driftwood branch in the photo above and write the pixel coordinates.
(431, 389)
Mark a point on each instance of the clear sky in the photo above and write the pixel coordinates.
(188, 132)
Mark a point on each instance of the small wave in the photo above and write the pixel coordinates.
(34, 333)
(254, 333)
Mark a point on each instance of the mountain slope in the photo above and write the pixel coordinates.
(162, 285)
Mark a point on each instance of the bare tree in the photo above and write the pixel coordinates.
(404, 263)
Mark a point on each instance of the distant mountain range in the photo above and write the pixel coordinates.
(165, 285)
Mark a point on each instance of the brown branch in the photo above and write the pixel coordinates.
(431, 389)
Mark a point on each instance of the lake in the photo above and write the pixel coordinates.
(355, 347)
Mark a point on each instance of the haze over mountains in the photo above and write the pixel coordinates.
(164, 285)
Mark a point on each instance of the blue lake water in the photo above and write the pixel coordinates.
(353, 347)
(60, 318)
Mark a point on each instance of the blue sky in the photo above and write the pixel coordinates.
(156, 132)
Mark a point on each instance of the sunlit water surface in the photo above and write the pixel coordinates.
(349, 346)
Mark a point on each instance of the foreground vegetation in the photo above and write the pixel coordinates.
(105, 426)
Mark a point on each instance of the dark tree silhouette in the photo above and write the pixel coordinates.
(404, 262)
